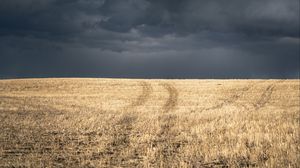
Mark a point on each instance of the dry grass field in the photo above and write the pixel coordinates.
(149, 123)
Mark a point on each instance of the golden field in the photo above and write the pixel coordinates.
(149, 123)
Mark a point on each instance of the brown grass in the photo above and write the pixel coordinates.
(149, 123)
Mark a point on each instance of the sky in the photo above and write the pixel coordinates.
(149, 38)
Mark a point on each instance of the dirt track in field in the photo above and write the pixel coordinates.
(265, 97)
(230, 100)
(143, 97)
(165, 140)
(172, 99)
(112, 154)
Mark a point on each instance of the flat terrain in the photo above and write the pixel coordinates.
(149, 123)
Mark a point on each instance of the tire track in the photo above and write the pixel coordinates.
(173, 98)
(230, 100)
(266, 96)
(263, 99)
(112, 154)
(122, 131)
(142, 98)
(167, 121)
(167, 144)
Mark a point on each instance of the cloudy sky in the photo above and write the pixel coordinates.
(149, 38)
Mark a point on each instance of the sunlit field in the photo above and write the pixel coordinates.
(149, 123)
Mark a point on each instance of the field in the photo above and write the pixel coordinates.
(149, 123)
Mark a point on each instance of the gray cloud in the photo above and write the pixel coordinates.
(143, 38)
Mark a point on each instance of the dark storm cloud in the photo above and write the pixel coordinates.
(149, 38)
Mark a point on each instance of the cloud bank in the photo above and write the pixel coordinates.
(149, 38)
